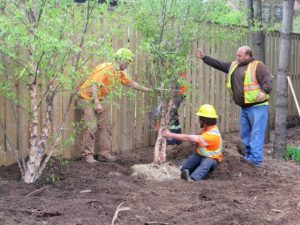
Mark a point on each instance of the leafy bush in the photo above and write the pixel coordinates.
(293, 153)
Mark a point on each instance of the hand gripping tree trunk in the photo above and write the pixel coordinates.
(161, 142)
(280, 143)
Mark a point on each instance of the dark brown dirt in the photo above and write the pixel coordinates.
(235, 193)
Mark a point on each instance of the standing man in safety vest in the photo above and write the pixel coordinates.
(93, 91)
(250, 83)
(209, 151)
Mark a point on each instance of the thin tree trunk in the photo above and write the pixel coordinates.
(60, 132)
(32, 164)
(258, 39)
(259, 36)
(280, 143)
(37, 152)
(250, 13)
(161, 142)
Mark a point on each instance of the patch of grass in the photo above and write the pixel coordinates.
(293, 153)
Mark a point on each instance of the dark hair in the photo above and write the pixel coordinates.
(208, 121)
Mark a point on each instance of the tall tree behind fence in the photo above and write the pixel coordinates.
(131, 126)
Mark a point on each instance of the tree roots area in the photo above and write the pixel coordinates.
(134, 191)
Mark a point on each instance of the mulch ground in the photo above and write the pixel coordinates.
(80, 193)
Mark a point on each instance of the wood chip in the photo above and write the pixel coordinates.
(86, 191)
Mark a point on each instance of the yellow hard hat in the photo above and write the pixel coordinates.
(124, 54)
(208, 111)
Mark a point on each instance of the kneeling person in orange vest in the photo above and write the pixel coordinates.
(209, 151)
(93, 91)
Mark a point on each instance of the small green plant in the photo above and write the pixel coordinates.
(64, 162)
(53, 178)
(293, 153)
(51, 175)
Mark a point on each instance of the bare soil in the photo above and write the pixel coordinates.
(235, 193)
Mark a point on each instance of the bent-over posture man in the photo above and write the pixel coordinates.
(101, 81)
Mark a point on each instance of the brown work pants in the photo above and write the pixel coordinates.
(96, 128)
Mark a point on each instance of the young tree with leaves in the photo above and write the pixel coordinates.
(169, 29)
(45, 40)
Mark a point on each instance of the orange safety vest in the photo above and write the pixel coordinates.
(251, 85)
(105, 76)
(210, 144)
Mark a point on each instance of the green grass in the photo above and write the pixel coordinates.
(293, 153)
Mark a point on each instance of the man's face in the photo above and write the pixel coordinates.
(123, 65)
(201, 123)
(242, 56)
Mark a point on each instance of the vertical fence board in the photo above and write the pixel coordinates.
(116, 126)
(11, 129)
(2, 137)
(193, 72)
(139, 108)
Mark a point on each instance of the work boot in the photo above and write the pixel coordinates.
(109, 157)
(90, 159)
(241, 148)
(185, 175)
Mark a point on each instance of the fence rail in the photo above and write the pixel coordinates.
(131, 126)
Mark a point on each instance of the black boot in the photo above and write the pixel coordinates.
(241, 148)
(185, 175)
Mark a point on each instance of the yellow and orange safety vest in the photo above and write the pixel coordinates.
(210, 143)
(251, 85)
(105, 76)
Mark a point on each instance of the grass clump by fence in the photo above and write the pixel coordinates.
(293, 153)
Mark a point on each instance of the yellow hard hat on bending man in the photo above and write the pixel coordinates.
(124, 55)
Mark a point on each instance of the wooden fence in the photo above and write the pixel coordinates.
(131, 126)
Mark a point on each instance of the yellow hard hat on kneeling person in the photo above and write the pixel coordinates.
(208, 111)
(124, 55)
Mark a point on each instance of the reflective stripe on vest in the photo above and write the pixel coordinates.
(251, 85)
(203, 151)
(210, 154)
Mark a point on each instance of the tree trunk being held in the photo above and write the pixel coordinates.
(280, 143)
(161, 142)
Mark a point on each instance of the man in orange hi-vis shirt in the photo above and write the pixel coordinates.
(209, 151)
(92, 92)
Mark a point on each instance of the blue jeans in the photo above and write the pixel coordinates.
(253, 124)
(199, 166)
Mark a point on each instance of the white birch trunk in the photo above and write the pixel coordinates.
(37, 148)
(160, 155)
(30, 172)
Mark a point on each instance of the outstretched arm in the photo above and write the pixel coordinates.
(181, 137)
(134, 85)
(215, 63)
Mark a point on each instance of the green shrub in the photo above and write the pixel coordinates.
(293, 153)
